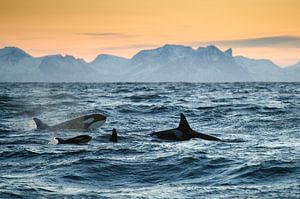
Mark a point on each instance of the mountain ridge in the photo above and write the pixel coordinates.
(166, 63)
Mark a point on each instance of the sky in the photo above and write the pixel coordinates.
(85, 28)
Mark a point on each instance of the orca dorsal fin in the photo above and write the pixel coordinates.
(183, 124)
(40, 124)
(114, 136)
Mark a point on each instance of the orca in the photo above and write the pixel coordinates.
(182, 132)
(92, 121)
(114, 136)
(81, 139)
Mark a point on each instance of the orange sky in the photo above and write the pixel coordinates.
(85, 28)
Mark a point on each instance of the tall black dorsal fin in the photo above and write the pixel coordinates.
(183, 124)
(40, 124)
(114, 136)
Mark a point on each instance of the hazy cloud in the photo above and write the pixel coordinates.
(104, 34)
(285, 41)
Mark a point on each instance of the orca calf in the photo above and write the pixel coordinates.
(81, 139)
(92, 121)
(182, 132)
(114, 136)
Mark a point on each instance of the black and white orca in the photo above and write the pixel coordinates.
(182, 132)
(114, 136)
(92, 121)
(81, 139)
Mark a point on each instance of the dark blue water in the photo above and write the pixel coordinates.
(259, 157)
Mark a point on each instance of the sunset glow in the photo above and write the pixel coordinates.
(254, 28)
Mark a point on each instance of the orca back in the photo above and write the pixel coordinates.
(81, 139)
(182, 132)
(92, 121)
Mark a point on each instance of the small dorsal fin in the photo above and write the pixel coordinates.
(40, 124)
(114, 136)
(183, 124)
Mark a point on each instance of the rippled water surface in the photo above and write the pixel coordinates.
(259, 156)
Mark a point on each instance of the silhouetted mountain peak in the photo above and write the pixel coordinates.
(13, 54)
(209, 49)
(167, 50)
(107, 58)
(63, 59)
(228, 52)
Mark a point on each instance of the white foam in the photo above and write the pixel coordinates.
(53, 141)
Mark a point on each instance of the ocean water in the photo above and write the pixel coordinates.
(259, 156)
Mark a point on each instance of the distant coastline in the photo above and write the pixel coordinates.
(169, 63)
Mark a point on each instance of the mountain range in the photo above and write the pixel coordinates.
(169, 63)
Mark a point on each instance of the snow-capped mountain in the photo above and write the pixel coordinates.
(112, 68)
(295, 67)
(66, 69)
(262, 69)
(182, 63)
(293, 72)
(12, 55)
(163, 64)
(17, 65)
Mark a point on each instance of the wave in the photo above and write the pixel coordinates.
(265, 171)
(61, 96)
(144, 97)
(259, 148)
(21, 154)
(5, 130)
